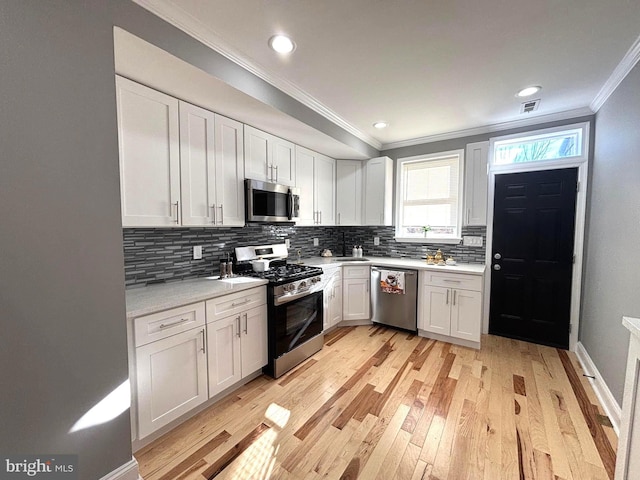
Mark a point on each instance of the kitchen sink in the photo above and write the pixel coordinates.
(351, 259)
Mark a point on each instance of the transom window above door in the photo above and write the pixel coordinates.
(429, 198)
(567, 142)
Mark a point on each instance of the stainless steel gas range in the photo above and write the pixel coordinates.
(294, 297)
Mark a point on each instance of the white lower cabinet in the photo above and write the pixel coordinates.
(332, 294)
(237, 343)
(450, 305)
(171, 370)
(356, 293)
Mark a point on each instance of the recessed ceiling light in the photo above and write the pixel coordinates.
(526, 92)
(381, 124)
(282, 44)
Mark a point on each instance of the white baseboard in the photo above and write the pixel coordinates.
(128, 471)
(607, 400)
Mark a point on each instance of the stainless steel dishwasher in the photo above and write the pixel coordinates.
(396, 310)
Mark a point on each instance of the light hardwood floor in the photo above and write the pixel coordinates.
(377, 403)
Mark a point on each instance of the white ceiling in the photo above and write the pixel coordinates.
(426, 67)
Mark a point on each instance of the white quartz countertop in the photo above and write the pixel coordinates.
(155, 298)
(391, 262)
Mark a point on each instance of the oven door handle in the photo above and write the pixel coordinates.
(307, 322)
(289, 298)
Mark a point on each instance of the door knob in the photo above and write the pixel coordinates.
(497, 256)
(497, 267)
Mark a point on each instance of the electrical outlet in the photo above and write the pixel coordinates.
(197, 252)
(376, 240)
(287, 243)
(315, 242)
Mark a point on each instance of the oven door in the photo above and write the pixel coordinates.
(296, 322)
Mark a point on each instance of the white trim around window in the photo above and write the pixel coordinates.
(449, 233)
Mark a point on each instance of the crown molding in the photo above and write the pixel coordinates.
(169, 12)
(496, 127)
(625, 66)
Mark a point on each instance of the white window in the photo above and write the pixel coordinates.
(429, 198)
(544, 146)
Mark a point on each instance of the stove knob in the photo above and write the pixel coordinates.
(288, 287)
(315, 279)
(302, 284)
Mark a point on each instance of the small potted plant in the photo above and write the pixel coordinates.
(426, 229)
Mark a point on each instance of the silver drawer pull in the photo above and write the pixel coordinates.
(452, 281)
(173, 324)
(247, 300)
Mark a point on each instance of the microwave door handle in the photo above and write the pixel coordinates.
(290, 204)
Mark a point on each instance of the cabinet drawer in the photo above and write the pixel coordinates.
(160, 325)
(221, 307)
(353, 271)
(452, 280)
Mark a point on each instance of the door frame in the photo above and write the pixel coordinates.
(582, 164)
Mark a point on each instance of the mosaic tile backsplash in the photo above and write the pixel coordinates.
(165, 254)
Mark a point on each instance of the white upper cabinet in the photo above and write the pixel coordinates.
(475, 183)
(179, 164)
(348, 192)
(378, 191)
(316, 182)
(149, 156)
(197, 166)
(229, 146)
(269, 158)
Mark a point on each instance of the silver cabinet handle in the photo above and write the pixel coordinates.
(173, 324)
(246, 324)
(497, 267)
(447, 301)
(367, 285)
(454, 296)
(246, 300)
(320, 212)
(238, 320)
(451, 281)
(276, 167)
(338, 218)
(213, 207)
(177, 204)
(468, 215)
(203, 342)
(221, 215)
(270, 175)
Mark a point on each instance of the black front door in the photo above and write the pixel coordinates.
(532, 255)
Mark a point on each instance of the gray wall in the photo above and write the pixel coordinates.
(62, 337)
(611, 277)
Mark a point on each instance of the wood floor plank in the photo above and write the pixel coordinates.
(377, 403)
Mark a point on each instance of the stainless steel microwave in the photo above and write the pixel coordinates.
(271, 202)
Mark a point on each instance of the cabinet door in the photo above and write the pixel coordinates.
(475, 183)
(378, 191)
(325, 189)
(229, 142)
(149, 156)
(254, 340)
(348, 192)
(305, 160)
(197, 166)
(435, 311)
(171, 376)
(466, 314)
(223, 340)
(355, 299)
(257, 155)
(335, 307)
(283, 161)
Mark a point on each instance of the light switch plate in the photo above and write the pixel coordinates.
(197, 252)
(315, 242)
(469, 241)
(287, 243)
(376, 240)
